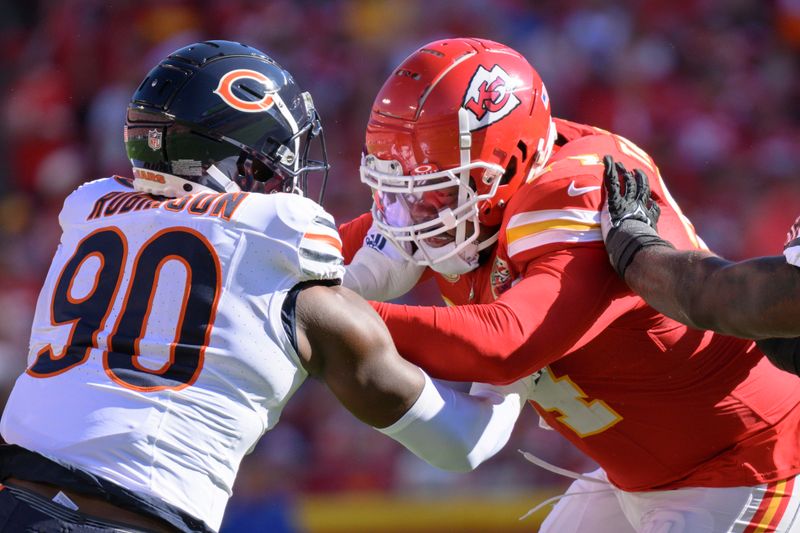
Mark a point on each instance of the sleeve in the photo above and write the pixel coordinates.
(562, 302)
(456, 431)
(301, 231)
(320, 249)
(375, 269)
(558, 214)
(87, 197)
(353, 233)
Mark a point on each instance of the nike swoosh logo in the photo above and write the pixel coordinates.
(572, 190)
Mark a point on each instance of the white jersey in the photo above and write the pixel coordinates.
(158, 355)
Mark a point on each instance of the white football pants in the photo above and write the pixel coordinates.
(591, 507)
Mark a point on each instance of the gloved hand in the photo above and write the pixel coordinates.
(379, 271)
(628, 219)
(791, 250)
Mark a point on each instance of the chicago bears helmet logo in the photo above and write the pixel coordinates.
(225, 91)
(490, 96)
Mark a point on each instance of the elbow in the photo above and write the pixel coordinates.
(718, 299)
(721, 319)
(701, 318)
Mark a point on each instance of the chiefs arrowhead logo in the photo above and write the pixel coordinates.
(490, 96)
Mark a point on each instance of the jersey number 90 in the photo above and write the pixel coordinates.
(86, 315)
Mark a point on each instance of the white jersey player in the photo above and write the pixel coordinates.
(183, 309)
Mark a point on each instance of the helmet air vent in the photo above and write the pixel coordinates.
(523, 150)
(164, 86)
(432, 52)
(407, 73)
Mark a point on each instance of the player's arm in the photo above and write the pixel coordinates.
(754, 299)
(342, 341)
(375, 269)
(352, 234)
(560, 304)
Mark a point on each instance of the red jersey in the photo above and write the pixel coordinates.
(657, 404)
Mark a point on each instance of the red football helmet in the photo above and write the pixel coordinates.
(456, 129)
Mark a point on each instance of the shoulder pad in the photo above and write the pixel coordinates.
(302, 224)
(559, 209)
(81, 199)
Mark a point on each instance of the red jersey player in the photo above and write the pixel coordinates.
(754, 299)
(474, 179)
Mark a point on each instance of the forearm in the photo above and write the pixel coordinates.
(352, 234)
(468, 343)
(531, 325)
(375, 270)
(375, 276)
(456, 431)
(752, 299)
(672, 281)
(341, 341)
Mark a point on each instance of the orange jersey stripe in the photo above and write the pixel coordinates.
(333, 241)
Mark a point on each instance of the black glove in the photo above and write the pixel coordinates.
(633, 215)
(783, 353)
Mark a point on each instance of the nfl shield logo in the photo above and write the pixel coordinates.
(154, 139)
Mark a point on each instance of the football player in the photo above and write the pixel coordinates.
(476, 181)
(183, 309)
(754, 299)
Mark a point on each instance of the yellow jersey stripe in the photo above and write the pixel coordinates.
(519, 232)
(586, 216)
(553, 236)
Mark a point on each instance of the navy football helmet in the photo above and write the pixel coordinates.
(221, 116)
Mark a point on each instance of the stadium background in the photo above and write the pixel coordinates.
(709, 88)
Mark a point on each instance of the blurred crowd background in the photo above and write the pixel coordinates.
(710, 89)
